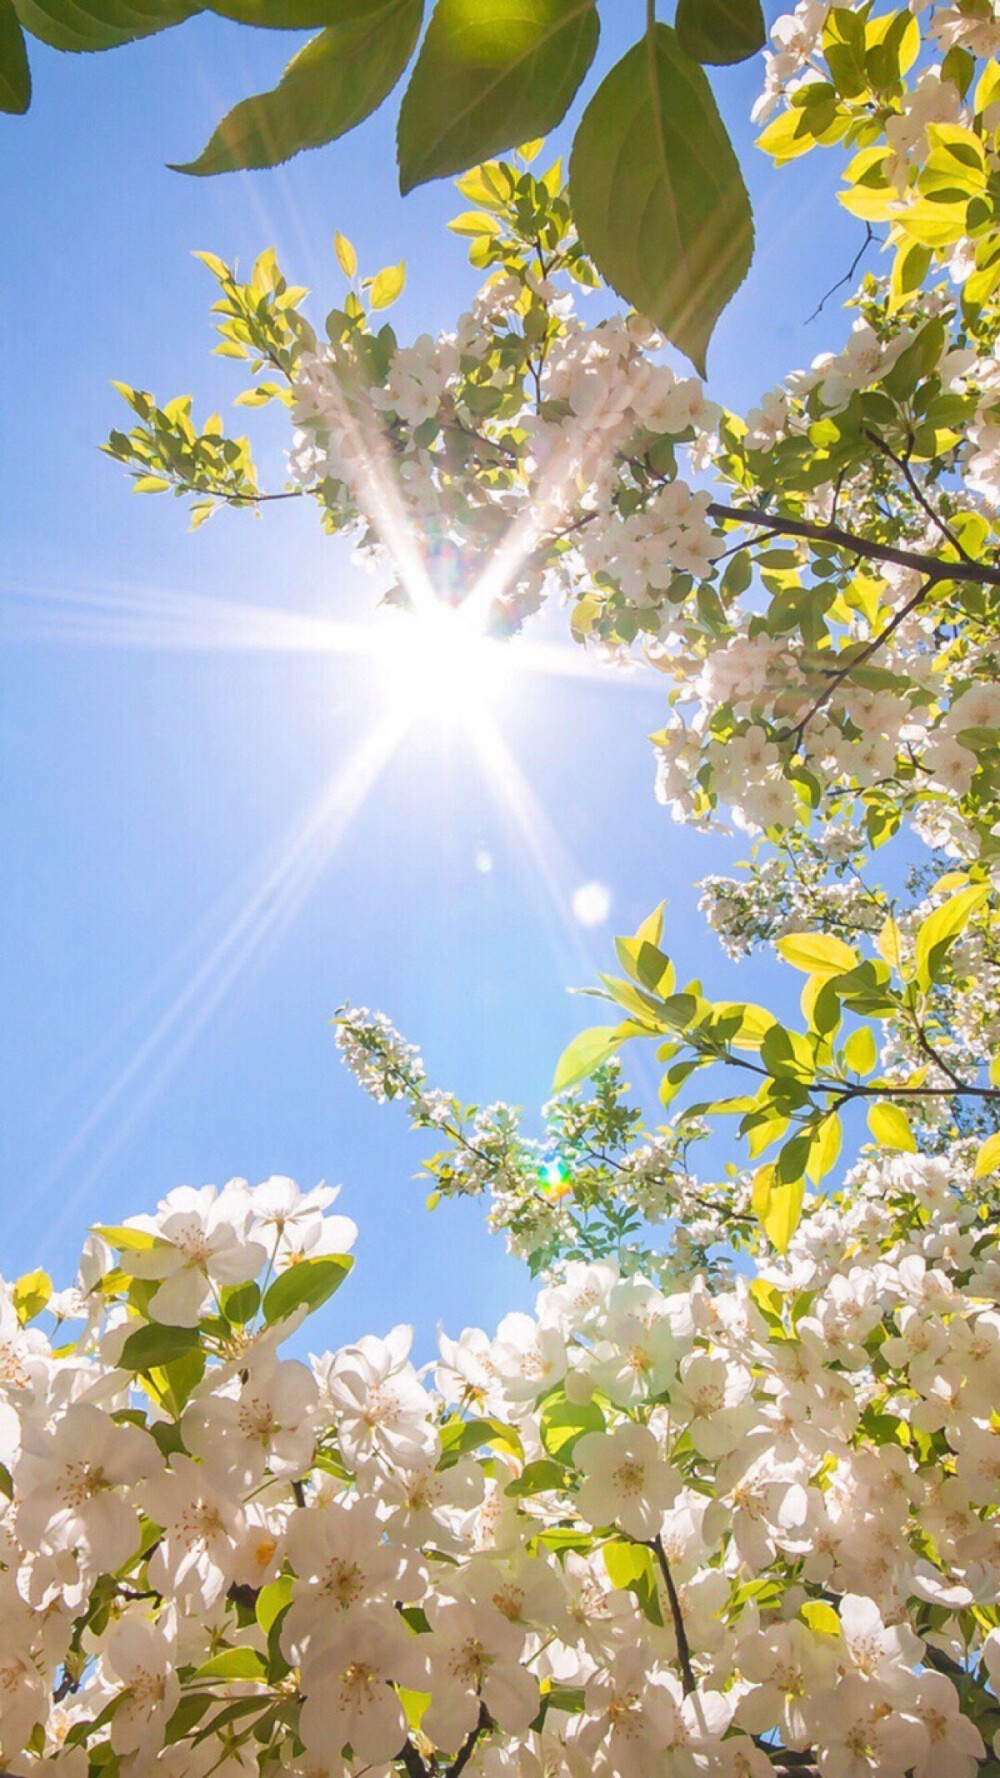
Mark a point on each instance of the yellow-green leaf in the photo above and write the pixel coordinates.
(890, 1126)
(942, 927)
(346, 256)
(778, 1208)
(387, 285)
(31, 1293)
(586, 1052)
(860, 1051)
(820, 1617)
(818, 953)
(988, 1158)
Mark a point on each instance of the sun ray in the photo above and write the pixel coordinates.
(554, 867)
(583, 451)
(269, 908)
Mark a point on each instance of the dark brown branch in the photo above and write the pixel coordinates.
(467, 1748)
(410, 1758)
(930, 566)
(689, 1682)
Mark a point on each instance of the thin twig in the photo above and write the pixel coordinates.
(870, 236)
(903, 465)
(858, 660)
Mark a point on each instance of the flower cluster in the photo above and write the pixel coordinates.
(706, 1525)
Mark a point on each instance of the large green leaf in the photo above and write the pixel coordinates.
(15, 75)
(290, 15)
(720, 31)
(586, 1052)
(99, 24)
(658, 194)
(335, 82)
(489, 77)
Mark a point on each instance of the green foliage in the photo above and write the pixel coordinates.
(307, 1284)
(803, 1080)
(329, 87)
(663, 207)
(79, 25)
(652, 146)
(720, 31)
(488, 77)
(15, 75)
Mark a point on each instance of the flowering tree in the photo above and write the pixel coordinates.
(727, 1502)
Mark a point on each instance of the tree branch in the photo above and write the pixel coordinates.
(980, 573)
(467, 1748)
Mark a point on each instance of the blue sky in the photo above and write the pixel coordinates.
(166, 1018)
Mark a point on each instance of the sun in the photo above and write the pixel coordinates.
(437, 668)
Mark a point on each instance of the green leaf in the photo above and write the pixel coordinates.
(818, 953)
(458, 1437)
(563, 1422)
(720, 31)
(586, 1052)
(489, 77)
(890, 1126)
(538, 1477)
(155, 1345)
(942, 927)
(15, 75)
(334, 82)
(658, 195)
(309, 1281)
(99, 24)
(271, 1601)
(240, 1303)
(289, 15)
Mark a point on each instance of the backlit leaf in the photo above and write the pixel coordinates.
(334, 82)
(890, 1126)
(99, 24)
(586, 1052)
(817, 952)
(489, 77)
(658, 194)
